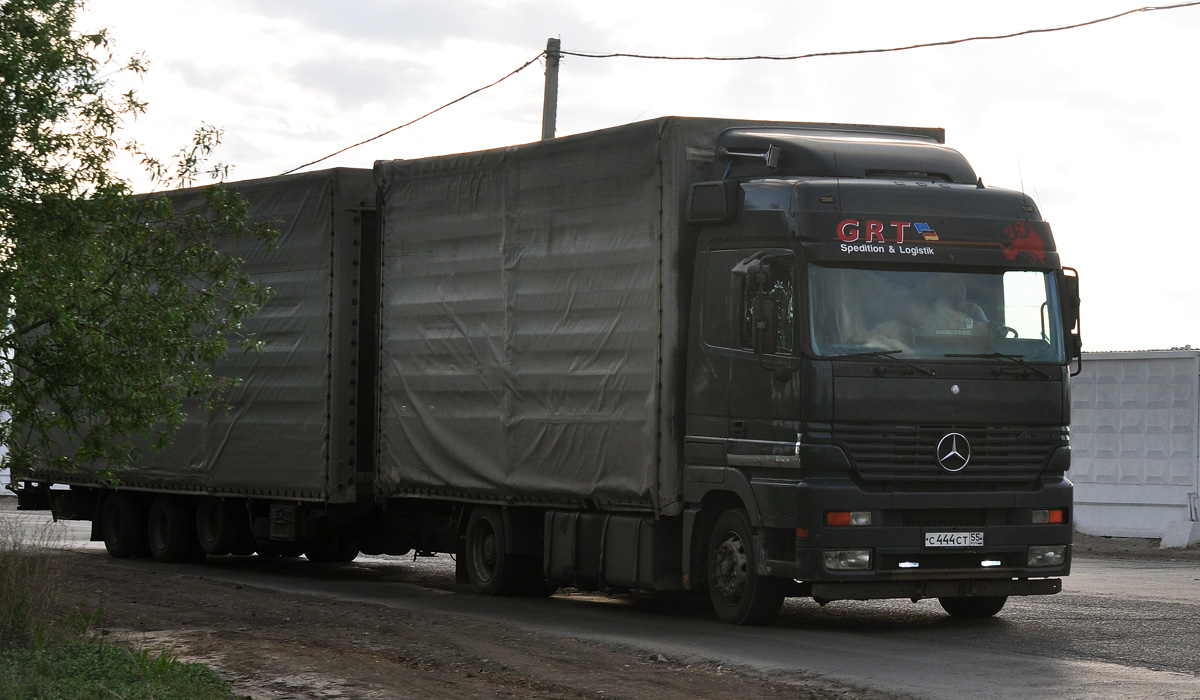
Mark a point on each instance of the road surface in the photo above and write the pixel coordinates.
(1120, 629)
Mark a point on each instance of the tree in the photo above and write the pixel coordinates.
(115, 306)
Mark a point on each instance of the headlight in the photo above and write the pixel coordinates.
(1047, 556)
(847, 559)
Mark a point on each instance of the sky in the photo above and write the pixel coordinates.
(1097, 124)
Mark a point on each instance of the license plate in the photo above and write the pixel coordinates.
(953, 539)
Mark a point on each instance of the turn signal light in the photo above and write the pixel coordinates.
(1054, 516)
(842, 518)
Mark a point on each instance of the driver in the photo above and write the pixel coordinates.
(958, 302)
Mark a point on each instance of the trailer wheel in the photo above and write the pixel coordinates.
(739, 595)
(222, 528)
(978, 606)
(285, 550)
(171, 529)
(123, 523)
(334, 549)
(492, 570)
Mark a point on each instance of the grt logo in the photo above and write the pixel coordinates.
(869, 231)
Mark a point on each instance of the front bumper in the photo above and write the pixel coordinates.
(901, 565)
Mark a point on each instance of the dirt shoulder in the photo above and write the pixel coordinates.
(1141, 549)
(272, 645)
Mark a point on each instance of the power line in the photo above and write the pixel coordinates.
(528, 63)
(950, 42)
(821, 54)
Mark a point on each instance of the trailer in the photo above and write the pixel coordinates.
(745, 359)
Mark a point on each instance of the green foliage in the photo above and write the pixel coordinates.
(83, 671)
(117, 306)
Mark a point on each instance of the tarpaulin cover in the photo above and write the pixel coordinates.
(286, 432)
(533, 318)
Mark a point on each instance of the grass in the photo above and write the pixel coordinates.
(85, 670)
(29, 582)
(47, 653)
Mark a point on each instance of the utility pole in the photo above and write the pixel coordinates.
(550, 101)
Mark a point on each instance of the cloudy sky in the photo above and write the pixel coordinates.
(1098, 124)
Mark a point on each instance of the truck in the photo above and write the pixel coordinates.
(737, 359)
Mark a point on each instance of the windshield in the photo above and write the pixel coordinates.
(917, 314)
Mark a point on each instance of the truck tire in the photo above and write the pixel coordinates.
(492, 570)
(978, 606)
(223, 528)
(739, 595)
(333, 549)
(123, 524)
(171, 530)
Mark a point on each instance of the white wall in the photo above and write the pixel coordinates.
(1135, 442)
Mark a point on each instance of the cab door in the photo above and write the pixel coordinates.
(764, 381)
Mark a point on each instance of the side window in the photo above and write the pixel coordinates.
(767, 302)
(740, 283)
(1026, 308)
(718, 312)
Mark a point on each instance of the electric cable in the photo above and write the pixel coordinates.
(796, 57)
(856, 52)
(528, 63)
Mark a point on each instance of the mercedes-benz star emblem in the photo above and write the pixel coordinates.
(953, 452)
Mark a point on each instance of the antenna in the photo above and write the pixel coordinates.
(1024, 195)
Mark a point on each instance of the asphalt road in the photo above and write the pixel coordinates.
(1119, 629)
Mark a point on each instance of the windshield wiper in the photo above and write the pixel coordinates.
(884, 355)
(1018, 359)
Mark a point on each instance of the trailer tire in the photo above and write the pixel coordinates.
(123, 524)
(492, 570)
(333, 549)
(222, 528)
(171, 530)
(977, 606)
(740, 596)
(283, 550)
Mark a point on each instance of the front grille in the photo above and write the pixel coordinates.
(909, 453)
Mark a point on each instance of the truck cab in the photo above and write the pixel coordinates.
(877, 370)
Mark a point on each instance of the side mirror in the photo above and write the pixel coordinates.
(714, 202)
(1072, 325)
(766, 342)
(1070, 298)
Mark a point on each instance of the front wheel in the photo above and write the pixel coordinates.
(979, 606)
(739, 594)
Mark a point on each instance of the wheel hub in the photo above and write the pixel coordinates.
(729, 576)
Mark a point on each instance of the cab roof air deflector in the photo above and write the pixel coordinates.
(802, 152)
